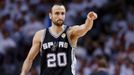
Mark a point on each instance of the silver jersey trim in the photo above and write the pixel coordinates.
(42, 39)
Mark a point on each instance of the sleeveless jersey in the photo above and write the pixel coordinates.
(57, 55)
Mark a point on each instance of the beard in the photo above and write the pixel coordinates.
(58, 22)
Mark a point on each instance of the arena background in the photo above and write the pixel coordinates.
(109, 45)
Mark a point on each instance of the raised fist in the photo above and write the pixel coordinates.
(92, 15)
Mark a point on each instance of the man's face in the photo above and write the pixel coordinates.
(57, 15)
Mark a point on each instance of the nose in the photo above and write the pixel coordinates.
(60, 16)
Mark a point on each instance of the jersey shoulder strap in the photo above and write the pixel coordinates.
(43, 35)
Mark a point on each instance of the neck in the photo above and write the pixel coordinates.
(56, 29)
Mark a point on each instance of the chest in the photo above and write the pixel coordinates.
(51, 41)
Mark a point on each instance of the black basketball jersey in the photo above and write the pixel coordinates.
(57, 56)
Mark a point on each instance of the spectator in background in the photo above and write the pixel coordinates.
(7, 45)
(130, 14)
(129, 35)
(102, 67)
(30, 28)
(6, 42)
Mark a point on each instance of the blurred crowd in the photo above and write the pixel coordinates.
(108, 49)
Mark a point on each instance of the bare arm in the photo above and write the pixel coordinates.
(79, 31)
(32, 54)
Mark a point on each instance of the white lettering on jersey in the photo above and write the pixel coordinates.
(60, 44)
(50, 44)
(65, 45)
(45, 46)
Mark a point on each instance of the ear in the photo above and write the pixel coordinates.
(50, 15)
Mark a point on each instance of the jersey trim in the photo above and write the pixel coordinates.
(58, 35)
(42, 38)
(73, 65)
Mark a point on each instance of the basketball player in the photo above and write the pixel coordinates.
(56, 44)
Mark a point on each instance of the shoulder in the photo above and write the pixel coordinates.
(73, 27)
(39, 34)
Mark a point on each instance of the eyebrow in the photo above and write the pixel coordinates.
(59, 12)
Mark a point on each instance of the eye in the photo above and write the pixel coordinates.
(57, 13)
(62, 13)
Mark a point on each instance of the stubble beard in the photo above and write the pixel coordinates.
(58, 24)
